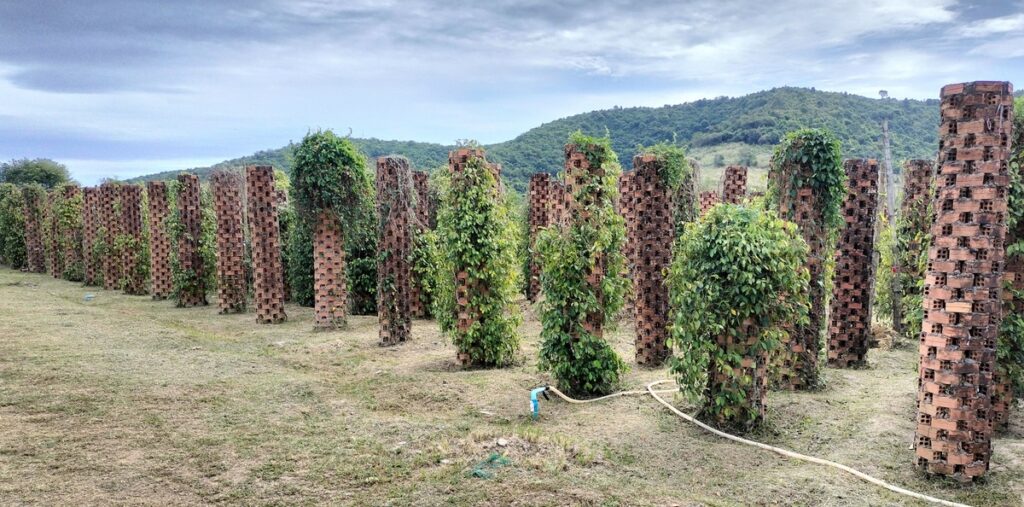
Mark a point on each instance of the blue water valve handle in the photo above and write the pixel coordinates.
(534, 402)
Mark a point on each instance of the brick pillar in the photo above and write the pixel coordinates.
(912, 236)
(69, 238)
(190, 259)
(90, 230)
(232, 285)
(850, 315)
(394, 246)
(734, 184)
(538, 194)
(109, 200)
(800, 368)
(708, 200)
(576, 164)
(424, 216)
(265, 234)
(754, 366)
(558, 201)
(962, 289)
(630, 199)
(161, 279)
(329, 279)
(53, 242)
(464, 286)
(652, 230)
(686, 199)
(34, 251)
(133, 280)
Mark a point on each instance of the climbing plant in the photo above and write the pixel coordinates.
(738, 276)
(67, 208)
(12, 226)
(680, 176)
(191, 281)
(1010, 345)
(331, 186)
(477, 239)
(582, 268)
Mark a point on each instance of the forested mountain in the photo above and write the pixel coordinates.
(760, 118)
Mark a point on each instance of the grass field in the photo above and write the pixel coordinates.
(122, 400)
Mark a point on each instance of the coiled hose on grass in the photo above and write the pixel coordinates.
(777, 450)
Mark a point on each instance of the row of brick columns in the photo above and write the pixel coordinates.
(962, 288)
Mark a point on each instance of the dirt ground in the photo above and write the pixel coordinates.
(123, 400)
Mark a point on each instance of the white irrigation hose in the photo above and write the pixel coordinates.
(789, 454)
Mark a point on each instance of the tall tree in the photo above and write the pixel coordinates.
(43, 171)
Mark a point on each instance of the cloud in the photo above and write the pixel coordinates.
(191, 79)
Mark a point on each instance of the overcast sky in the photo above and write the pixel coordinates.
(121, 88)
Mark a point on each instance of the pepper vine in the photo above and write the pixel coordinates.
(12, 226)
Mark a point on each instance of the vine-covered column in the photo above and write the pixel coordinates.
(582, 275)
(69, 231)
(90, 234)
(35, 198)
(807, 185)
(232, 280)
(190, 268)
(394, 246)
(131, 243)
(265, 231)
(161, 278)
(109, 203)
(913, 239)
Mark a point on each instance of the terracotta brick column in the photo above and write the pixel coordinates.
(425, 215)
(538, 195)
(734, 184)
(34, 251)
(232, 285)
(110, 198)
(652, 231)
(161, 279)
(90, 232)
(962, 289)
(850, 315)
(576, 164)
(56, 256)
(394, 246)
(268, 269)
(190, 260)
(133, 278)
(708, 200)
(330, 280)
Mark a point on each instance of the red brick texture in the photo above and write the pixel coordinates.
(734, 184)
(190, 260)
(329, 279)
(425, 216)
(538, 195)
(708, 200)
(395, 190)
(265, 234)
(850, 315)
(962, 288)
(232, 280)
(91, 267)
(161, 279)
(133, 280)
(53, 246)
(651, 229)
(34, 251)
(110, 221)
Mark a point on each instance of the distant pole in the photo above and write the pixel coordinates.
(890, 211)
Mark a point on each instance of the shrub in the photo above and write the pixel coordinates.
(738, 277)
(477, 240)
(12, 226)
(582, 268)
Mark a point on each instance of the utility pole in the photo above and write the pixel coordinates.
(890, 195)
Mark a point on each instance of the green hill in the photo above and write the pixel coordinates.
(756, 121)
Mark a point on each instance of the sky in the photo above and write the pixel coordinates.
(123, 88)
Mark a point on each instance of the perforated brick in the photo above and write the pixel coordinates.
(753, 366)
(963, 284)
(538, 197)
(161, 278)
(91, 267)
(133, 280)
(734, 184)
(53, 246)
(708, 200)
(577, 165)
(265, 234)
(232, 280)
(69, 238)
(652, 230)
(190, 260)
(425, 214)
(853, 282)
(110, 221)
(395, 190)
(34, 251)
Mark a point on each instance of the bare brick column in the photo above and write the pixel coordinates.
(708, 200)
(850, 315)
(652, 230)
(538, 195)
(190, 259)
(110, 198)
(161, 279)
(90, 232)
(34, 251)
(133, 280)
(330, 280)
(734, 184)
(962, 289)
(267, 267)
(394, 246)
(232, 285)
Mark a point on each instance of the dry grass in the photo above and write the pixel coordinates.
(121, 400)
